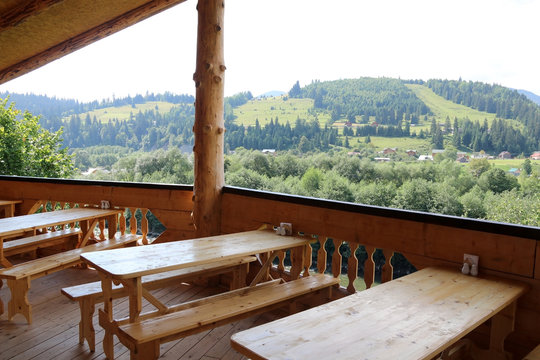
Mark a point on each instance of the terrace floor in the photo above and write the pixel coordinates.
(54, 333)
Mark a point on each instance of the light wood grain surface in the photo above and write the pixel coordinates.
(414, 317)
(138, 261)
(20, 224)
(9, 207)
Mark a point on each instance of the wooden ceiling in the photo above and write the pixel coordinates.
(36, 32)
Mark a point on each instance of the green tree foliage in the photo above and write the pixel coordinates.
(495, 99)
(479, 166)
(497, 181)
(513, 207)
(29, 150)
(385, 99)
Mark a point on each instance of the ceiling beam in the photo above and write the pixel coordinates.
(23, 10)
(86, 38)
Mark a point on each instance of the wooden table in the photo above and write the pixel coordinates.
(128, 265)
(413, 317)
(27, 225)
(9, 207)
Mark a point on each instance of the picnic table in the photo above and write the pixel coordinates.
(8, 207)
(30, 225)
(413, 317)
(127, 266)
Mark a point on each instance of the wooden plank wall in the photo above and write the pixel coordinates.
(171, 206)
(423, 244)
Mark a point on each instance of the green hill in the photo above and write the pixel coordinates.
(123, 112)
(441, 108)
(281, 107)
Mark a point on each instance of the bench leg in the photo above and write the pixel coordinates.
(146, 351)
(19, 299)
(86, 327)
(108, 327)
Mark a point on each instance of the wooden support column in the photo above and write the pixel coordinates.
(209, 123)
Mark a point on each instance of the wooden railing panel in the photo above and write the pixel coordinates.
(241, 212)
(537, 265)
(497, 252)
(171, 206)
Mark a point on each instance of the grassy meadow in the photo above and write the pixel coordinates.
(289, 110)
(123, 112)
(441, 108)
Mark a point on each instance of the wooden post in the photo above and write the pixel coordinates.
(209, 123)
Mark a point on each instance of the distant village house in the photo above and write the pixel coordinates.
(535, 155)
(411, 152)
(505, 155)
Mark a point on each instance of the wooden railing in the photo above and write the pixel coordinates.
(505, 250)
(171, 205)
(131, 223)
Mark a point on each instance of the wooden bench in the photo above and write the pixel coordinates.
(19, 276)
(89, 294)
(32, 243)
(144, 337)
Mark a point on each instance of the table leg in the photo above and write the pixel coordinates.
(297, 261)
(112, 222)
(106, 315)
(502, 324)
(134, 288)
(264, 269)
(87, 231)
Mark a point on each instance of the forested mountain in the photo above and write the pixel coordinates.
(380, 107)
(495, 99)
(388, 100)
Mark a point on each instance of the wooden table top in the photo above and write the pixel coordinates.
(9, 202)
(149, 259)
(19, 224)
(413, 317)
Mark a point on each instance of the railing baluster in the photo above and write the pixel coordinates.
(321, 256)
(336, 258)
(144, 226)
(132, 221)
(387, 269)
(281, 261)
(352, 267)
(122, 223)
(102, 230)
(369, 267)
(307, 260)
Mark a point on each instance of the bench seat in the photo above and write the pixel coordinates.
(144, 337)
(91, 293)
(31, 243)
(19, 276)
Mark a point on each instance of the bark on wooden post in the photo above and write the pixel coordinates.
(209, 124)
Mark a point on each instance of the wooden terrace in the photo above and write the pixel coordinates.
(507, 251)
(347, 235)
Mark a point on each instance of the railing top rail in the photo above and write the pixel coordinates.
(126, 184)
(530, 232)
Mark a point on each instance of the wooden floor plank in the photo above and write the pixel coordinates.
(53, 333)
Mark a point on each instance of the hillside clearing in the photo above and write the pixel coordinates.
(288, 110)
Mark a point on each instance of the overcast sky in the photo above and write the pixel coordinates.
(270, 44)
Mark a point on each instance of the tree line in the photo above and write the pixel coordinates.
(476, 190)
(387, 100)
(494, 99)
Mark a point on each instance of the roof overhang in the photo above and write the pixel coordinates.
(36, 32)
